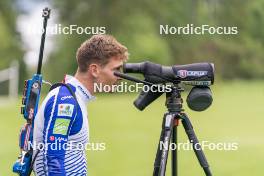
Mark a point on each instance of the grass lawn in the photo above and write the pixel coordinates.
(131, 136)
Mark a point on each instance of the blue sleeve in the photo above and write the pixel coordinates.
(59, 115)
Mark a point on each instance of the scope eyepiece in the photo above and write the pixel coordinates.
(133, 67)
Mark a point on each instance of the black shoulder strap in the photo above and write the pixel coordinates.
(67, 86)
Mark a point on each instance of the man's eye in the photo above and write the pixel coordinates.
(118, 69)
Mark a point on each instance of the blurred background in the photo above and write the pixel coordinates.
(131, 136)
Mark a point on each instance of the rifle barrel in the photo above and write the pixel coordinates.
(45, 15)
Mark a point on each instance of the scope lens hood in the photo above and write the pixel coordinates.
(199, 98)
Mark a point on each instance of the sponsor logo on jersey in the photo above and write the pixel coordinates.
(65, 110)
(61, 126)
(52, 138)
(85, 94)
(59, 139)
(66, 97)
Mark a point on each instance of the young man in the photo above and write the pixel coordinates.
(61, 124)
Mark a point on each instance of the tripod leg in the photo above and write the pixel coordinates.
(163, 146)
(174, 157)
(196, 145)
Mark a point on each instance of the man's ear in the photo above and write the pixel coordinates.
(94, 70)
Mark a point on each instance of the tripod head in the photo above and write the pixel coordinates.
(198, 75)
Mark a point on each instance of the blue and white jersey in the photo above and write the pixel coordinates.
(61, 130)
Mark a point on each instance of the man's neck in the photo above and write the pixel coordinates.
(86, 80)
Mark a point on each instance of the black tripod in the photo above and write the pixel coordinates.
(169, 134)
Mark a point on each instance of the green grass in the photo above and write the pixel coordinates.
(131, 136)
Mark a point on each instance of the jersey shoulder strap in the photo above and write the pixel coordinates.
(65, 85)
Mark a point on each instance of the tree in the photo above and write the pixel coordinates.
(10, 45)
